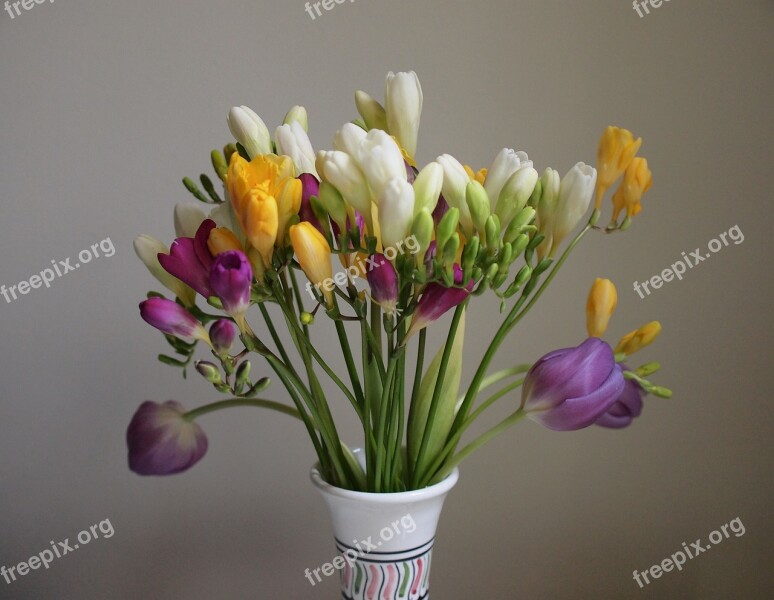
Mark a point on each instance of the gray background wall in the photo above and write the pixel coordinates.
(106, 105)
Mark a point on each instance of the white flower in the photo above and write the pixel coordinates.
(381, 160)
(249, 130)
(505, 164)
(348, 139)
(396, 211)
(575, 194)
(342, 172)
(297, 114)
(455, 184)
(372, 112)
(515, 194)
(403, 104)
(427, 187)
(293, 141)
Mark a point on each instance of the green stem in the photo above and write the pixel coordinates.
(258, 402)
(418, 372)
(477, 443)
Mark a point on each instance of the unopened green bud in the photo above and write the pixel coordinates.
(209, 371)
(447, 227)
(228, 151)
(371, 110)
(661, 392)
(298, 115)
(318, 208)
(648, 369)
(194, 190)
(515, 194)
(469, 254)
(219, 164)
(506, 256)
(478, 204)
(259, 386)
(523, 275)
(521, 220)
(422, 229)
(491, 272)
(492, 228)
(307, 318)
(537, 193)
(450, 249)
(519, 244)
(333, 202)
(242, 373)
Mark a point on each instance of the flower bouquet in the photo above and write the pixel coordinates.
(413, 245)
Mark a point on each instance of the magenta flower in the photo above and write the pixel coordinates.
(161, 441)
(383, 279)
(222, 335)
(624, 410)
(190, 260)
(231, 279)
(571, 388)
(440, 210)
(436, 300)
(171, 318)
(309, 187)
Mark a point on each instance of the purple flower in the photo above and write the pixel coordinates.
(171, 318)
(570, 388)
(440, 210)
(222, 335)
(190, 260)
(383, 279)
(161, 441)
(231, 279)
(309, 187)
(411, 174)
(436, 300)
(624, 410)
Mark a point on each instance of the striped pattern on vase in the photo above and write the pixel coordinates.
(386, 575)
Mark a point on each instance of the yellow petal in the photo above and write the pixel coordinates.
(617, 148)
(639, 338)
(314, 256)
(221, 240)
(260, 223)
(600, 306)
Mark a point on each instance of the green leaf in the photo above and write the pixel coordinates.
(439, 430)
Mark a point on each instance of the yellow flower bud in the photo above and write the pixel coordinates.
(637, 180)
(260, 222)
(617, 148)
(288, 204)
(601, 303)
(639, 338)
(314, 256)
(221, 240)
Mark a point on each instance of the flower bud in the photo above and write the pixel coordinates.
(209, 371)
(403, 107)
(600, 305)
(340, 170)
(436, 300)
(617, 148)
(422, 230)
(222, 240)
(148, 249)
(427, 187)
(171, 318)
(505, 164)
(383, 279)
(242, 374)
(314, 256)
(447, 227)
(575, 194)
(348, 139)
(454, 189)
(381, 160)
(260, 222)
(639, 338)
(371, 110)
(478, 205)
(249, 130)
(297, 114)
(571, 388)
(161, 441)
(396, 212)
(293, 141)
(637, 180)
(223, 333)
(515, 194)
(232, 279)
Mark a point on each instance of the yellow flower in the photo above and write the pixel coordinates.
(264, 195)
(639, 338)
(314, 256)
(601, 303)
(221, 240)
(637, 180)
(479, 176)
(617, 148)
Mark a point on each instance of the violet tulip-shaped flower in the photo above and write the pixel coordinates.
(231, 278)
(222, 335)
(383, 279)
(190, 260)
(570, 388)
(171, 318)
(161, 441)
(624, 410)
(436, 300)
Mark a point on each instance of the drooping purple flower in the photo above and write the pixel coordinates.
(161, 441)
(222, 335)
(624, 410)
(171, 318)
(231, 279)
(383, 279)
(310, 186)
(569, 389)
(190, 260)
(437, 299)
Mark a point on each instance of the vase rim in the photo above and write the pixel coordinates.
(437, 489)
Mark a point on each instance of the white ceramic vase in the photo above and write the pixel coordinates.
(384, 541)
